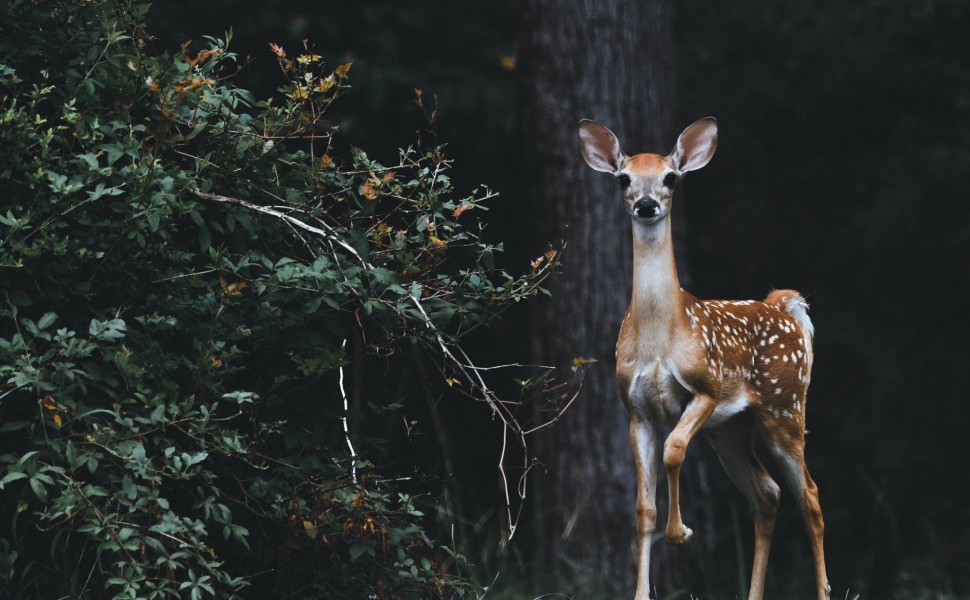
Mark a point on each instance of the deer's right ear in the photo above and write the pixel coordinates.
(599, 146)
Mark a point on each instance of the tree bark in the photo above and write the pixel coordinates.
(610, 61)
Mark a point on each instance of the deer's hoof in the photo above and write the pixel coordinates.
(678, 535)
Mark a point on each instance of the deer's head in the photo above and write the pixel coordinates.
(648, 180)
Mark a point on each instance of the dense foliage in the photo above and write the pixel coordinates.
(187, 273)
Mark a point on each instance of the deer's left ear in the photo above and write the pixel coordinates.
(696, 145)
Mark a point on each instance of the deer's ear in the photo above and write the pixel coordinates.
(696, 145)
(599, 146)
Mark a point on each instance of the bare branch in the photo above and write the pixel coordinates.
(273, 212)
(562, 410)
(343, 393)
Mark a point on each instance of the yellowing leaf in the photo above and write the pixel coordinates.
(451, 381)
(461, 208)
(190, 85)
(216, 362)
(324, 85)
(49, 403)
(299, 93)
(231, 289)
(507, 62)
(548, 255)
(57, 419)
(368, 189)
(277, 50)
(201, 57)
(325, 161)
(579, 361)
(305, 59)
(309, 528)
(436, 241)
(343, 69)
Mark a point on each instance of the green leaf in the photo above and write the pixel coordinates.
(70, 452)
(91, 160)
(27, 456)
(46, 321)
(358, 549)
(488, 260)
(39, 490)
(112, 330)
(14, 476)
(100, 191)
(205, 239)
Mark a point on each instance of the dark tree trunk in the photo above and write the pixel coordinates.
(608, 60)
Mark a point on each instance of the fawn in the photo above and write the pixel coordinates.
(697, 364)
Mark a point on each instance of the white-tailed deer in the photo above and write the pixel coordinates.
(697, 364)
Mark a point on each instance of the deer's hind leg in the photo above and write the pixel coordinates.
(786, 440)
(732, 441)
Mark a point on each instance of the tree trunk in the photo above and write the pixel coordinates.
(610, 61)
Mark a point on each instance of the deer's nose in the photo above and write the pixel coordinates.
(646, 208)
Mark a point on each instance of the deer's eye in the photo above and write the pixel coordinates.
(624, 180)
(670, 180)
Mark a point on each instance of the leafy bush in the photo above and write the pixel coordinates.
(187, 272)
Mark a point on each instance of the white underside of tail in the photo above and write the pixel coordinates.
(797, 307)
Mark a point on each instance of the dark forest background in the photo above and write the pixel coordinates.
(842, 171)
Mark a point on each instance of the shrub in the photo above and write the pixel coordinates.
(187, 272)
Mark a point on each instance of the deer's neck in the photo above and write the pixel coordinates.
(657, 306)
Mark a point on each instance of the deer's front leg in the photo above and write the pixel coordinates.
(645, 443)
(694, 417)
